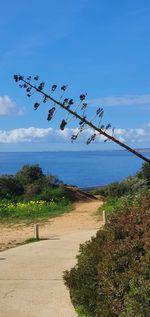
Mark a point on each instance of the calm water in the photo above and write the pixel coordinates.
(84, 169)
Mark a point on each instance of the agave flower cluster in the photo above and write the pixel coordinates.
(74, 109)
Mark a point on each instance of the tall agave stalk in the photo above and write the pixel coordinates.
(74, 110)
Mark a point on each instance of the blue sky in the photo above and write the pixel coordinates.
(98, 47)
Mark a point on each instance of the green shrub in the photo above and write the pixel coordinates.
(101, 283)
(31, 184)
(111, 190)
(129, 186)
(137, 300)
(145, 173)
(32, 191)
(10, 187)
(30, 195)
(113, 204)
(28, 174)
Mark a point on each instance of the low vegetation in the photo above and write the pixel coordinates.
(112, 276)
(32, 211)
(30, 196)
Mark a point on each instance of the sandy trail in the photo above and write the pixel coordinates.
(81, 218)
(31, 283)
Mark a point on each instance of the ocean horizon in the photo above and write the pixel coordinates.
(79, 168)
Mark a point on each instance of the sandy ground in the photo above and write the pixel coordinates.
(82, 217)
(31, 283)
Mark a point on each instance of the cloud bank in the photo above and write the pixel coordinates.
(127, 100)
(50, 135)
(9, 107)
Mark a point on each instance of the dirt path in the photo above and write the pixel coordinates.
(31, 283)
(81, 218)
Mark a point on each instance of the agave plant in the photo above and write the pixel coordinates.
(73, 109)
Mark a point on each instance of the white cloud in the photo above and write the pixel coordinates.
(24, 135)
(33, 134)
(134, 135)
(50, 135)
(8, 107)
(127, 100)
(120, 131)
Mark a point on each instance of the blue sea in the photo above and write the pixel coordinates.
(83, 169)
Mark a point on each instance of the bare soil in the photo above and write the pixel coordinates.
(83, 217)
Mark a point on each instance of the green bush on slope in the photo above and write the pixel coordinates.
(129, 186)
(30, 183)
(145, 173)
(103, 280)
(31, 195)
(110, 278)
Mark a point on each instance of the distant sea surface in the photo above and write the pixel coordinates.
(83, 169)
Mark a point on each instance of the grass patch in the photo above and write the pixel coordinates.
(33, 239)
(112, 205)
(123, 203)
(32, 211)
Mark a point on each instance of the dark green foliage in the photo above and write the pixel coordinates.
(29, 174)
(54, 193)
(10, 187)
(29, 184)
(32, 191)
(137, 300)
(31, 196)
(111, 190)
(109, 271)
(145, 173)
(53, 180)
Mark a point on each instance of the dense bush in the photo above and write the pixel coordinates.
(29, 174)
(10, 187)
(30, 195)
(137, 300)
(129, 186)
(30, 183)
(108, 280)
(145, 173)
